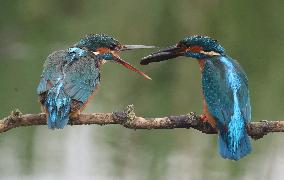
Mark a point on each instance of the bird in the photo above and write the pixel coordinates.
(226, 101)
(71, 76)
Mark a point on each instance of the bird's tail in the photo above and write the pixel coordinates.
(58, 105)
(234, 142)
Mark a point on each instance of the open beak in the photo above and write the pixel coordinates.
(126, 64)
(129, 66)
(164, 54)
(131, 47)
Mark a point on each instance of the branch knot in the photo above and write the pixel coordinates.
(14, 117)
(129, 115)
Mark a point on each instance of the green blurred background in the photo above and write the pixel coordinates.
(251, 32)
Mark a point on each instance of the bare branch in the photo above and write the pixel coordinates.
(128, 119)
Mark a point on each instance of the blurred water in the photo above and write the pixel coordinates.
(77, 158)
(251, 32)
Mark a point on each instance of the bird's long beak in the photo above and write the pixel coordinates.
(164, 54)
(129, 66)
(131, 47)
(126, 64)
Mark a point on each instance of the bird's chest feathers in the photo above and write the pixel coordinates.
(201, 64)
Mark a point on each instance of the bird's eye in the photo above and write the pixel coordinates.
(107, 56)
(111, 47)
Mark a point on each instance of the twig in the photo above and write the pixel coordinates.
(128, 119)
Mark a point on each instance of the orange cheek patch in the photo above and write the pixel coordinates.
(103, 50)
(195, 49)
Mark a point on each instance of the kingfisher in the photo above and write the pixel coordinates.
(226, 102)
(71, 77)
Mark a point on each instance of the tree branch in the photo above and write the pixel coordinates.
(128, 119)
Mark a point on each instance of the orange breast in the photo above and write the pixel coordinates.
(201, 64)
(209, 118)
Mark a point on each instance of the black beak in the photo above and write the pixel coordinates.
(131, 47)
(162, 55)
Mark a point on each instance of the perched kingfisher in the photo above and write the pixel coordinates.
(225, 91)
(70, 77)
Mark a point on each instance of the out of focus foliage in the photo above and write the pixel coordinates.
(251, 32)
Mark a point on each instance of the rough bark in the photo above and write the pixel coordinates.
(128, 119)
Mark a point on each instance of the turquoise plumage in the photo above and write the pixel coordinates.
(225, 90)
(71, 76)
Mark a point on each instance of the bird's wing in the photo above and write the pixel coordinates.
(82, 78)
(225, 88)
(52, 70)
(76, 69)
(243, 92)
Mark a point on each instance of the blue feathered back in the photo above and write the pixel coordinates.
(225, 88)
(69, 76)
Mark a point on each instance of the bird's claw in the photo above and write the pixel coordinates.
(203, 118)
(206, 120)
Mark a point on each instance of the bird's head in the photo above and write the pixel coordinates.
(107, 49)
(199, 47)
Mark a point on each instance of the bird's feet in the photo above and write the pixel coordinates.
(203, 118)
(74, 116)
(207, 119)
